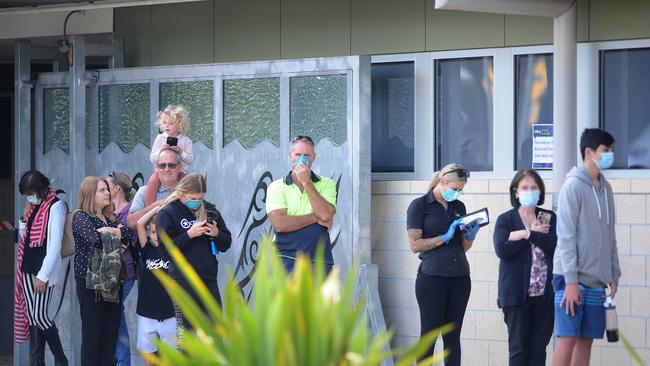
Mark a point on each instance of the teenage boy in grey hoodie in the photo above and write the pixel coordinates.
(586, 257)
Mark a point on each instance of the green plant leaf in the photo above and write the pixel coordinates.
(303, 318)
(628, 347)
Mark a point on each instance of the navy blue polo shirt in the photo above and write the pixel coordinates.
(430, 216)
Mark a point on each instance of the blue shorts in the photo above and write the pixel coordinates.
(589, 319)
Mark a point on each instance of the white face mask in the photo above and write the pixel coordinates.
(34, 200)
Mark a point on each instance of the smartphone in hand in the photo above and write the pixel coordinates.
(544, 218)
(463, 227)
(172, 141)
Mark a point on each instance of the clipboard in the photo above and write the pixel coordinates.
(482, 215)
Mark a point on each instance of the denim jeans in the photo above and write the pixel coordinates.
(122, 346)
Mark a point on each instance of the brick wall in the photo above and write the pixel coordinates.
(484, 334)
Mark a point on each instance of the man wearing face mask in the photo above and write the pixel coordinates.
(443, 285)
(586, 258)
(301, 207)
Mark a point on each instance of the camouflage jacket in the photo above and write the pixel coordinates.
(107, 269)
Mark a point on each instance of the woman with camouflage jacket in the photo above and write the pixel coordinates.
(100, 319)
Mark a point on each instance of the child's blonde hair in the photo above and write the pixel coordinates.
(177, 114)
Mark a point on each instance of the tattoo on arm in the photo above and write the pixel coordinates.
(418, 244)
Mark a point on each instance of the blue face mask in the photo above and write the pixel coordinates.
(302, 159)
(529, 199)
(606, 160)
(450, 195)
(193, 204)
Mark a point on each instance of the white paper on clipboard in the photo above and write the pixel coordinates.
(481, 215)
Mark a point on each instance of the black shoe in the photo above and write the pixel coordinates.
(52, 336)
(36, 347)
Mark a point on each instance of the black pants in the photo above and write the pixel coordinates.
(100, 322)
(212, 286)
(443, 300)
(530, 328)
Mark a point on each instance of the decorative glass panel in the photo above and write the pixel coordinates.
(625, 104)
(124, 116)
(251, 111)
(197, 97)
(393, 116)
(533, 102)
(89, 116)
(463, 120)
(56, 119)
(319, 107)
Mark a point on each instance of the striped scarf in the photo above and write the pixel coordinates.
(36, 232)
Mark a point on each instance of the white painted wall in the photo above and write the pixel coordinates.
(484, 334)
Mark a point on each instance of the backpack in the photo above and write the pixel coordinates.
(67, 243)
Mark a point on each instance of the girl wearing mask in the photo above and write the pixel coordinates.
(197, 228)
(38, 261)
(443, 284)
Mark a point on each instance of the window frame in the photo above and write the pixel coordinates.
(417, 159)
(587, 105)
(519, 51)
(496, 54)
(589, 95)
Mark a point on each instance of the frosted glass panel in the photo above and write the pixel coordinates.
(89, 116)
(124, 116)
(56, 119)
(319, 107)
(197, 97)
(251, 111)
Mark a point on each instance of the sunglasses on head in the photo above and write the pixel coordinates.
(302, 138)
(167, 165)
(460, 172)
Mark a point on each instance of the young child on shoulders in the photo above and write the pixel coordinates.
(155, 312)
(175, 125)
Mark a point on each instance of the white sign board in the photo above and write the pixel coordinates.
(542, 147)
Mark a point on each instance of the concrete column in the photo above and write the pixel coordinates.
(564, 97)
(78, 153)
(22, 145)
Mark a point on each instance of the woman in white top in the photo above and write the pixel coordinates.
(39, 257)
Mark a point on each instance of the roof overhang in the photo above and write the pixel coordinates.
(541, 8)
(46, 6)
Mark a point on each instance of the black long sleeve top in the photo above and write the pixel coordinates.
(516, 257)
(86, 236)
(175, 219)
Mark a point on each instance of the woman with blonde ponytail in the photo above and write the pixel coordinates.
(197, 228)
(443, 284)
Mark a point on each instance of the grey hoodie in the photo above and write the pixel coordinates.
(586, 240)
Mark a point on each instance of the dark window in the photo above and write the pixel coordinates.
(463, 115)
(393, 116)
(625, 104)
(533, 102)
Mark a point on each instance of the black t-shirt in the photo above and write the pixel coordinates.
(430, 216)
(153, 300)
